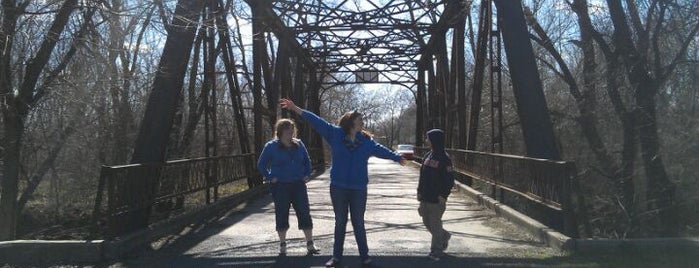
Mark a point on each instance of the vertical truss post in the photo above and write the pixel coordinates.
(152, 141)
(315, 141)
(432, 109)
(298, 97)
(497, 68)
(209, 101)
(444, 91)
(459, 78)
(495, 84)
(529, 95)
(277, 89)
(479, 72)
(420, 104)
(231, 77)
(257, 54)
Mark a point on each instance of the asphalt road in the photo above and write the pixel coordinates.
(397, 238)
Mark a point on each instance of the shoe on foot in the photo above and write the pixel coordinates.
(446, 241)
(311, 248)
(332, 262)
(367, 262)
(433, 256)
(282, 248)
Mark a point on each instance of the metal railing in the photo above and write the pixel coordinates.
(135, 188)
(545, 182)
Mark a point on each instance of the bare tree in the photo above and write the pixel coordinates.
(19, 99)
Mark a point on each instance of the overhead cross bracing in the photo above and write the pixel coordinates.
(341, 37)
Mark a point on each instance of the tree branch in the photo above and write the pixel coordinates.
(39, 61)
(681, 54)
(42, 90)
(656, 46)
(545, 41)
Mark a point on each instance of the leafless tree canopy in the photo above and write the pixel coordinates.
(621, 79)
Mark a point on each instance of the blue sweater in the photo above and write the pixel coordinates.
(349, 166)
(286, 164)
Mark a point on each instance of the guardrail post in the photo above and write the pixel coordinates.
(570, 224)
(94, 228)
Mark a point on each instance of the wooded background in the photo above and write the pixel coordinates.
(620, 78)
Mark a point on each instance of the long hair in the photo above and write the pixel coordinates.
(285, 124)
(346, 122)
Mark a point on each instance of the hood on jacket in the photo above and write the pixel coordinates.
(436, 137)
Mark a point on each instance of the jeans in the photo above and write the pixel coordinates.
(354, 200)
(285, 195)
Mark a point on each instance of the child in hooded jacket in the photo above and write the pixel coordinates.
(434, 187)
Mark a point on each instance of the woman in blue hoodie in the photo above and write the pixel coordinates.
(285, 164)
(351, 148)
(436, 181)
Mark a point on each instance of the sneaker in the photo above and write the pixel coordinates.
(433, 256)
(311, 248)
(367, 262)
(282, 248)
(332, 262)
(446, 241)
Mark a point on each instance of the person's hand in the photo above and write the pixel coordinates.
(289, 105)
(273, 180)
(403, 161)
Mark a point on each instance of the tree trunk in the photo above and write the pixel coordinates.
(11, 142)
(661, 191)
(48, 163)
(621, 174)
(17, 106)
(119, 129)
(153, 136)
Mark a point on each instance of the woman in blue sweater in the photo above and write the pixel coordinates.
(285, 164)
(351, 148)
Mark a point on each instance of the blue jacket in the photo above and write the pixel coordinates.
(349, 166)
(286, 164)
(436, 173)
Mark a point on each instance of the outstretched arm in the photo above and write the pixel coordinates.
(381, 151)
(324, 128)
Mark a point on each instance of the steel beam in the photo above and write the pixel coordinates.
(529, 95)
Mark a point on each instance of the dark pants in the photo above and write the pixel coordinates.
(354, 200)
(285, 195)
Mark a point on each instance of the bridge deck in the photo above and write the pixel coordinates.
(396, 235)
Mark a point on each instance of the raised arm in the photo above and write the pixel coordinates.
(324, 128)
